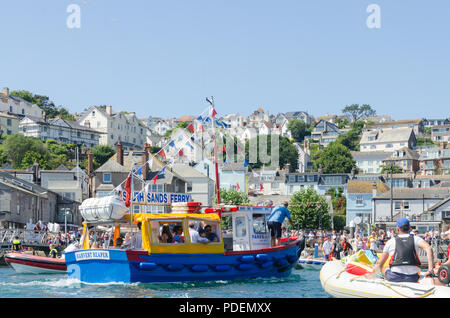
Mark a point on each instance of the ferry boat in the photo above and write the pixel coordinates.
(173, 250)
(242, 253)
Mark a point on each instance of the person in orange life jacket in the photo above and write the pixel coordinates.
(404, 265)
(346, 246)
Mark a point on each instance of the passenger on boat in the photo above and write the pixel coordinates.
(178, 234)
(210, 235)
(17, 245)
(53, 251)
(404, 265)
(127, 241)
(119, 242)
(166, 236)
(137, 238)
(275, 220)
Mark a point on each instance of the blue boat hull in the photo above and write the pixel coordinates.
(114, 265)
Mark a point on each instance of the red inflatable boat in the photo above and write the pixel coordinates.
(26, 263)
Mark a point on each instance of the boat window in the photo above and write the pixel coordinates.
(208, 231)
(241, 229)
(259, 224)
(167, 232)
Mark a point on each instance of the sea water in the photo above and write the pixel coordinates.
(302, 283)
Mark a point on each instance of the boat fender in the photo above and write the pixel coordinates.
(222, 268)
(281, 262)
(266, 264)
(247, 259)
(261, 258)
(443, 274)
(244, 267)
(147, 266)
(291, 258)
(199, 268)
(175, 267)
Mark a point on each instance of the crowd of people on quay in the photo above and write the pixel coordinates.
(338, 244)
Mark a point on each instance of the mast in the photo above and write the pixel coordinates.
(215, 155)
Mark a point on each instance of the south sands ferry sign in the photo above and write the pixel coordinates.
(158, 198)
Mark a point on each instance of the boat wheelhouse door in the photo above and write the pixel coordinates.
(260, 237)
(241, 237)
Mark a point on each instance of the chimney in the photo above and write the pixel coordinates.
(35, 169)
(5, 91)
(144, 161)
(119, 153)
(374, 190)
(109, 110)
(90, 169)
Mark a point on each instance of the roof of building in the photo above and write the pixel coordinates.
(377, 155)
(386, 136)
(415, 193)
(362, 186)
(187, 171)
(407, 154)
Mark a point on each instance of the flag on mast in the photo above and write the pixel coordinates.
(162, 153)
(190, 127)
(128, 191)
(237, 187)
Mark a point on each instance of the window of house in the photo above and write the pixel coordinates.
(23, 111)
(359, 200)
(291, 178)
(189, 187)
(406, 205)
(10, 109)
(397, 205)
(8, 122)
(389, 146)
(107, 178)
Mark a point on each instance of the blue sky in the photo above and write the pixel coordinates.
(162, 58)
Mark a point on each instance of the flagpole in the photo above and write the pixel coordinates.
(131, 205)
(215, 153)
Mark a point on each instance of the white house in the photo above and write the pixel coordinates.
(18, 106)
(115, 126)
(387, 140)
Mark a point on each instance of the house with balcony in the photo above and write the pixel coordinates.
(300, 115)
(316, 180)
(59, 129)
(434, 160)
(325, 132)
(440, 133)
(405, 159)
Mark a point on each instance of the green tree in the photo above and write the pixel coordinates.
(44, 102)
(181, 124)
(16, 145)
(288, 153)
(339, 222)
(309, 210)
(233, 197)
(387, 168)
(358, 112)
(102, 153)
(336, 158)
(299, 129)
(30, 157)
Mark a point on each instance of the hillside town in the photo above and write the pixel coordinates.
(371, 168)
